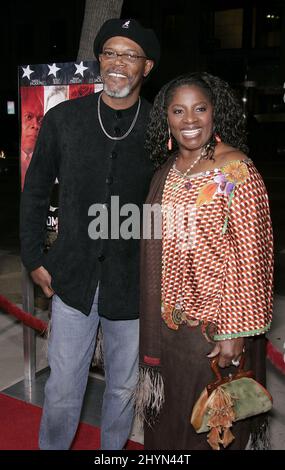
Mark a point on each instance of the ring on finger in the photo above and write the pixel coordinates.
(235, 363)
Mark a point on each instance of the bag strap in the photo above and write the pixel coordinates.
(223, 380)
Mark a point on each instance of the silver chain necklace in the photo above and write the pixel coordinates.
(130, 128)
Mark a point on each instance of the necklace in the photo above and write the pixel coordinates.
(130, 128)
(186, 173)
(188, 184)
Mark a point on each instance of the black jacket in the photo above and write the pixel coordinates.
(91, 168)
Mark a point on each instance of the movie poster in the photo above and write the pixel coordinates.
(41, 87)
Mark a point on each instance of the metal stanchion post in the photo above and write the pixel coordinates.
(29, 337)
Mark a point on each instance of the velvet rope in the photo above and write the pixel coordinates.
(275, 356)
(24, 317)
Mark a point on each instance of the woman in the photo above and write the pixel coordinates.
(207, 285)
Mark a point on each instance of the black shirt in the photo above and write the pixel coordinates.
(91, 168)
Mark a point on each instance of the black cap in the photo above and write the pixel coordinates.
(131, 29)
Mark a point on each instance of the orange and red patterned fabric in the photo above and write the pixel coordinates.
(217, 251)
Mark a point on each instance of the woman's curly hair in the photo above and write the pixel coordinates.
(228, 118)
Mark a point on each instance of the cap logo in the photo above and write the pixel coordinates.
(126, 24)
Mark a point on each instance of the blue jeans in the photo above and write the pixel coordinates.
(70, 351)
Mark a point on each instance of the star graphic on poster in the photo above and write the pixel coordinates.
(27, 72)
(53, 69)
(80, 69)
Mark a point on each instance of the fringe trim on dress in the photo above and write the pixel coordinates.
(149, 395)
(46, 337)
(259, 438)
(98, 358)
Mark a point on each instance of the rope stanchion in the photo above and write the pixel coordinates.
(275, 357)
(24, 317)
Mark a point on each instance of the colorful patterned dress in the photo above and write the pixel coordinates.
(217, 240)
(216, 282)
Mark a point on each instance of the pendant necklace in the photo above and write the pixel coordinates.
(188, 184)
(130, 128)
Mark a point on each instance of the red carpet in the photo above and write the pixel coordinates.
(20, 424)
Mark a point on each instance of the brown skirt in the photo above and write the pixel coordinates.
(186, 371)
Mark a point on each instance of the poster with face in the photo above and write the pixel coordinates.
(32, 112)
(42, 87)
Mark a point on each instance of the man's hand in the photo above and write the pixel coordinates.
(229, 350)
(42, 277)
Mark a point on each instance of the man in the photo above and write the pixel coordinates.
(33, 111)
(95, 146)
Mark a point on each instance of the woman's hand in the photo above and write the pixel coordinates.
(229, 350)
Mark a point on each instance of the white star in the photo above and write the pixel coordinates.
(27, 72)
(53, 69)
(80, 68)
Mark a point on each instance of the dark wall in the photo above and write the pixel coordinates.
(34, 32)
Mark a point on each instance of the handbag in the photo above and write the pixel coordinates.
(226, 400)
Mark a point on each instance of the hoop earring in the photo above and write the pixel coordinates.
(169, 143)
